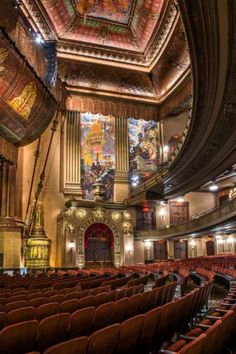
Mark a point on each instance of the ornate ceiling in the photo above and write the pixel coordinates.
(131, 32)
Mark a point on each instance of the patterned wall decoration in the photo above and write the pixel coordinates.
(26, 105)
(143, 148)
(97, 153)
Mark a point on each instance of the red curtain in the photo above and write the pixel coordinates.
(98, 230)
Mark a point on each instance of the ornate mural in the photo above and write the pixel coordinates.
(97, 153)
(143, 148)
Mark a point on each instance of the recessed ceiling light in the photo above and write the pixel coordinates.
(213, 187)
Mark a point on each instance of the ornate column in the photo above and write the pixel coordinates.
(38, 245)
(121, 187)
(71, 154)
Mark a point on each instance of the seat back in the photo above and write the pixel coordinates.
(38, 301)
(46, 310)
(53, 330)
(120, 310)
(87, 301)
(69, 306)
(19, 338)
(82, 322)
(72, 346)
(104, 341)
(20, 315)
(129, 333)
(103, 315)
(145, 342)
(16, 305)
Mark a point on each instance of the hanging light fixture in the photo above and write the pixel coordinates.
(213, 187)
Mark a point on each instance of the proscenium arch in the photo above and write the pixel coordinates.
(87, 223)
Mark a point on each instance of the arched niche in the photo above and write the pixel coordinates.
(81, 238)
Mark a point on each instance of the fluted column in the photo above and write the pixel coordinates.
(121, 189)
(71, 140)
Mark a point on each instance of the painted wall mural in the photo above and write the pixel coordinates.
(97, 153)
(144, 153)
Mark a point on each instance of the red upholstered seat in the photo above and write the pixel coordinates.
(71, 295)
(3, 318)
(152, 298)
(57, 298)
(17, 298)
(16, 305)
(20, 315)
(129, 333)
(69, 306)
(87, 301)
(145, 342)
(121, 293)
(46, 310)
(82, 322)
(52, 330)
(111, 296)
(83, 293)
(72, 346)
(120, 310)
(104, 341)
(194, 347)
(144, 302)
(100, 299)
(38, 301)
(19, 338)
(103, 315)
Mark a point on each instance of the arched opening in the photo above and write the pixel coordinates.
(98, 244)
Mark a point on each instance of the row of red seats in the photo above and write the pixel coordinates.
(148, 331)
(214, 334)
(80, 299)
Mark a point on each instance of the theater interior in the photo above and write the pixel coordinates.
(117, 176)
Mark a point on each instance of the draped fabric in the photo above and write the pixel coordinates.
(98, 231)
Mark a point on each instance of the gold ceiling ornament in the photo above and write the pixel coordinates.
(81, 213)
(116, 216)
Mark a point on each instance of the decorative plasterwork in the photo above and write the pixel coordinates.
(111, 106)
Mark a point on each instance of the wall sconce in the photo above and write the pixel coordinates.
(162, 212)
(193, 243)
(72, 244)
(165, 149)
(147, 244)
(230, 239)
(129, 249)
(180, 199)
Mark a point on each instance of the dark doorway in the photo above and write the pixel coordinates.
(210, 248)
(99, 243)
(181, 249)
(160, 250)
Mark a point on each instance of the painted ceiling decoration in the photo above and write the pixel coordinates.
(114, 30)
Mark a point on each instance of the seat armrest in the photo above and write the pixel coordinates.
(221, 310)
(213, 318)
(226, 304)
(188, 338)
(164, 351)
(229, 299)
(202, 326)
